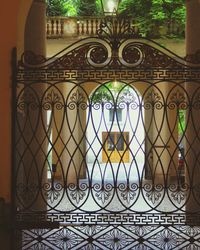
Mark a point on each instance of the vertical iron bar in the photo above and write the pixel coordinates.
(13, 140)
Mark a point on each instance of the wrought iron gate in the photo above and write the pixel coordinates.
(107, 146)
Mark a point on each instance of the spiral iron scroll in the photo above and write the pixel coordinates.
(99, 53)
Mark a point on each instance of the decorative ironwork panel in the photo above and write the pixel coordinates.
(59, 145)
(113, 237)
(107, 139)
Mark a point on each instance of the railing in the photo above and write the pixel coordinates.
(55, 27)
(60, 27)
(88, 26)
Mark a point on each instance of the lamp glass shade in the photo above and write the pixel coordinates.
(110, 7)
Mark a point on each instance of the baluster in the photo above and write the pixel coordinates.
(96, 26)
(82, 27)
(47, 29)
(78, 27)
(87, 27)
(52, 27)
(92, 26)
(57, 27)
(62, 27)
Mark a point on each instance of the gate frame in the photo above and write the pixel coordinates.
(120, 56)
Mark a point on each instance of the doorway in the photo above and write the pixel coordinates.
(116, 147)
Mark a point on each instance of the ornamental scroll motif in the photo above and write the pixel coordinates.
(99, 54)
(117, 46)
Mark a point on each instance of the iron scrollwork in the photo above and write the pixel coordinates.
(100, 186)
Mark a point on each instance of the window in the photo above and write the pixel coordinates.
(115, 115)
(115, 147)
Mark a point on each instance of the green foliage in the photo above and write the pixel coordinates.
(70, 7)
(73, 7)
(168, 10)
(61, 7)
(181, 122)
(56, 8)
(86, 7)
(99, 10)
(139, 10)
(110, 92)
(151, 15)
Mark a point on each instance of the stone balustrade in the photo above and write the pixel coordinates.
(88, 26)
(61, 27)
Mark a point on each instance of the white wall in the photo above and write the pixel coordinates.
(132, 122)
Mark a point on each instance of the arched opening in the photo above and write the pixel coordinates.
(115, 133)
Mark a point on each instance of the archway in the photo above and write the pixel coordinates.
(115, 133)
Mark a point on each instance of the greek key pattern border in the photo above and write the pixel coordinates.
(139, 74)
(112, 219)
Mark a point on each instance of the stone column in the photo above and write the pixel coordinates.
(192, 147)
(32, 171)
(67, 128)
(165, 134)
(35, 30)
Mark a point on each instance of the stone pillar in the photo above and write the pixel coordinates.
(32, 172)
(68, 130)
(192, 147)
(77, 130)
(35, 30)
(165, 136)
